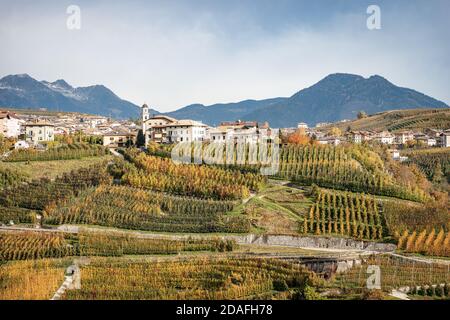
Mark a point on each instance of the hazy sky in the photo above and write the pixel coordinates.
(173, 53)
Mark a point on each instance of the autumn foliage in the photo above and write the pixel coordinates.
(299, 137)
(426, 242)
(161, 174)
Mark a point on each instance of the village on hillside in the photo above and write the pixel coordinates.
(84, 196)
(29, 130)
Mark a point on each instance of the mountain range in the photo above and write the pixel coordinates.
(219, 112)
(336, 97)
(22, 91)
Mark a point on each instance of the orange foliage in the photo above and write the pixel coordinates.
(299, 137)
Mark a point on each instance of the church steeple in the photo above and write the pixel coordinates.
(145, 112)
(145, 116)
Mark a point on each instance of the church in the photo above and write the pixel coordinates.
(164, 129)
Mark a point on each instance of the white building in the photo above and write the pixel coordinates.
(154, 127)
(302, 125)
(384, 137)
(9, 124)
(185, 130)
(358, 136)
(395, 154)
(250, 135)
(21, 144)
(403, 137)
(220, 134)
(329, 140)
(119, 139)
(445, 139)
(426, 140)
(94, 121)
(39, 131)
(239, 131)
(431, 142)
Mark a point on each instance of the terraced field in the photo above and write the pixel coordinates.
(204, 278)
(397, 120)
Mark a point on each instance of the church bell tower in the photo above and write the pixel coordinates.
(145, 117)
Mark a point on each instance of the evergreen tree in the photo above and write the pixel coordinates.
(140, 140)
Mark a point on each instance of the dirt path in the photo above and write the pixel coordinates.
(248, 199)
(71, 278)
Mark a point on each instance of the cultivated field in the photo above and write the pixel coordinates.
(156, 230)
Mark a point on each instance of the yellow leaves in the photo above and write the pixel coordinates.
(426, 243)
(348, 214)
(336, 132)
(418, 245)
(200, 181)
(30, 280)
(402, 239)
(208, 278)
(126, 207)
(31, 245)
(410, 241)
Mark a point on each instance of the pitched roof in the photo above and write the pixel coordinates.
(180, 123)
(161, 116)
(7, 114)
(118, 133)
(39, 123)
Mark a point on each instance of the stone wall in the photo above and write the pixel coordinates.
(313, 242)
(270, 240)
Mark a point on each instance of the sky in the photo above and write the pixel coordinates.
(170, 53)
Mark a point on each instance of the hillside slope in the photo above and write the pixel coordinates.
(396, 120)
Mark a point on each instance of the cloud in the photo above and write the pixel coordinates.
(173, 53)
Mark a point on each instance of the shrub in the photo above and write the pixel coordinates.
(280, 285)
(430, 290)
(439, 291)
